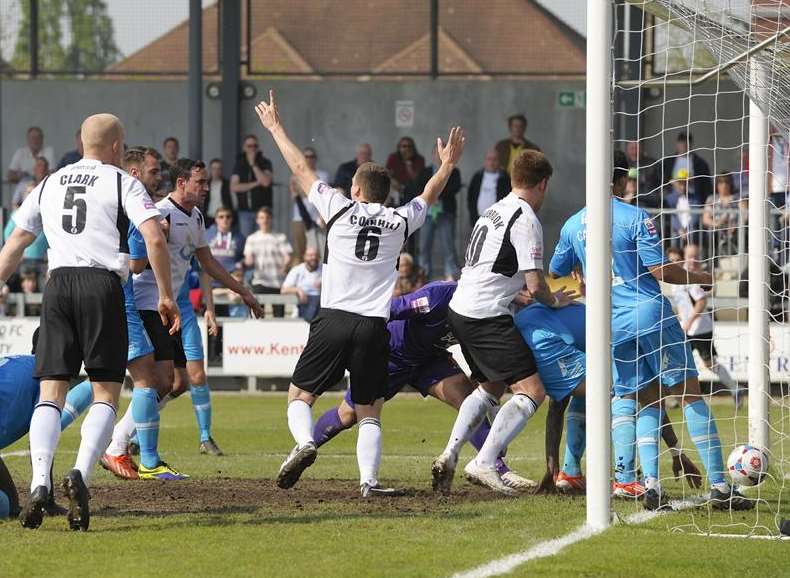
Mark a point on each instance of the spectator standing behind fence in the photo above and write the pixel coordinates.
(225, 244)
(251, 184)
(218, 192)
(778, 167)
(74, 155)
(510, 148)
(699, 177)
(720, 217)
(28, 183)
(268, 254)
(645, 170)
(684, 221)
(306, 223)
(24, 158)
(304, 281)
(405, 166)
(488, 185)
(440, 221)
(346, 171)
(170, 148)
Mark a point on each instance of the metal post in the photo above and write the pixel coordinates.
(599, 262)
(434, 38)
(33, 38)
(195, 125)
(230, 21)
(758, 268)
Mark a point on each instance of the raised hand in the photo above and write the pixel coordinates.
(452, 151)
(268, 113)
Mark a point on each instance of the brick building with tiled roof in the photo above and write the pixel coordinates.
(385, 37)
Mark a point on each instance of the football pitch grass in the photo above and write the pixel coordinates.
(231, 520)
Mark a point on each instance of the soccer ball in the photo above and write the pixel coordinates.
(747, 465)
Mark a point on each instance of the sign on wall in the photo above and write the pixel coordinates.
(262, 348)
(16, 335)
(404, 113)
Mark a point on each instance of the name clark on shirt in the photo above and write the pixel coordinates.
(78, 179)
(372, 222)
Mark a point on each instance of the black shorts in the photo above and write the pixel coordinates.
(166, 347)
(340, 340)
(493, 348)
(83, 320)
(703, 344)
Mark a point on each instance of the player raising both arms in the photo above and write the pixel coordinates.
(419, 338)
(505, 251)
(364, 238)
(84, 210)
(649, 348)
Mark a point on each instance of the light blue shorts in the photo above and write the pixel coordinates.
(190, 335)
(139, 343)
(561, 367)
(664, 355)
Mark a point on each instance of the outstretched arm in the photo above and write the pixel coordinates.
(269, 116)
(213, 268)
(676, 275)
(449, 154)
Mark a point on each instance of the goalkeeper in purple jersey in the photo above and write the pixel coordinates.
(419, 338)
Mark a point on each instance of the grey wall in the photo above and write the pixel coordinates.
(333, 116)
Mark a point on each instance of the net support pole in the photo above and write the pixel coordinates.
(599, 262)
(758, 268)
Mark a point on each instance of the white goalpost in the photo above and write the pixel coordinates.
(599, 259)
(719, 69)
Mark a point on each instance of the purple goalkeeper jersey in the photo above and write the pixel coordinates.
(418, 326)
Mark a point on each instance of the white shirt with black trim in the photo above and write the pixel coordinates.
(187, 233)
(506, 242)
(363, 241)
(84, 210)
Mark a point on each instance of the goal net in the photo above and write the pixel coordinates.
(693, 83)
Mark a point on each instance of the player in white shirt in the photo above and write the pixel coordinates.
(185, 238)
(364, 238)
(505, 252)
(84, 210)
(691, 302)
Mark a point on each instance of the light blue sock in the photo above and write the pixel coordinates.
(77, 400)
(145, 411)
(575, 437)
(702, 429)
(624, 439)
(647, 433)
(201, 401)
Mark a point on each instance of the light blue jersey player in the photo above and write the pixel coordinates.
(649, 348)
(19, 392)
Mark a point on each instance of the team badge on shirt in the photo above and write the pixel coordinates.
(421, 305)
(650, 226)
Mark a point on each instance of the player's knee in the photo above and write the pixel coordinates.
(348, 416)
(196, 373)
(294, 393)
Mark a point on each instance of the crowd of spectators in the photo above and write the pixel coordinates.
(693, 205)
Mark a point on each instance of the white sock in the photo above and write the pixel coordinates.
(122, 433)
(300, 421)
(369, 450)
(470, 415)
(652, 483)
(725, 378)
(510, 420)
(96, 432)
(44, 436)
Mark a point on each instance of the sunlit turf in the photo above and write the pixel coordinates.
(341, 537)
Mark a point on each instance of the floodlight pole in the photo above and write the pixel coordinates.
(759, 382)
(599, 261)
(195, 84)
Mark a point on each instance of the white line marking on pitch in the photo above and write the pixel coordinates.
(555, 546)
(19, 453)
